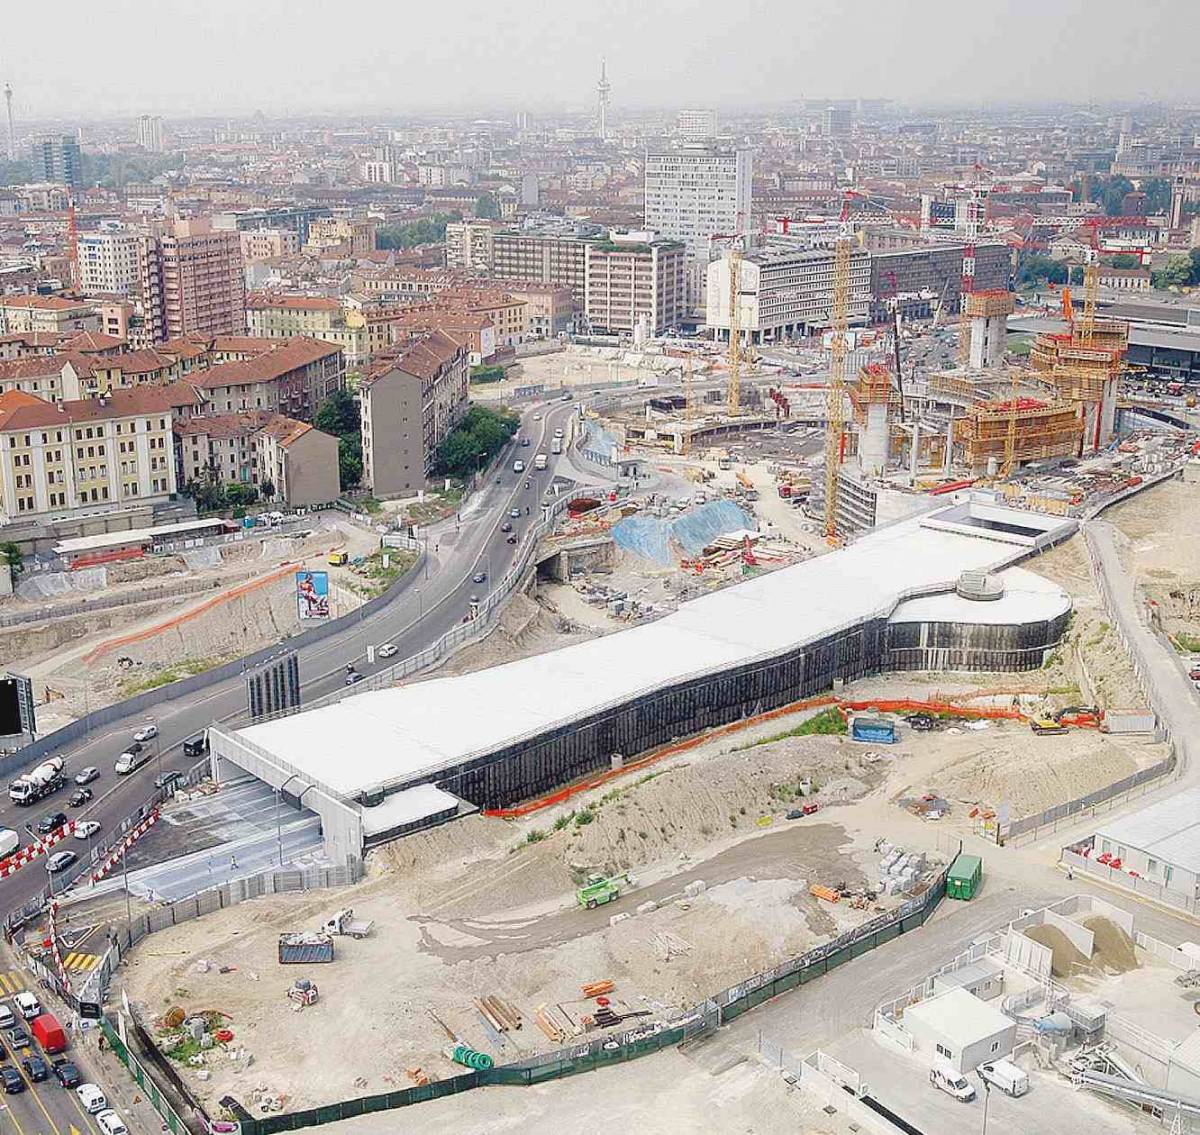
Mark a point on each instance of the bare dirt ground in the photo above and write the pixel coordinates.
(1162, 526)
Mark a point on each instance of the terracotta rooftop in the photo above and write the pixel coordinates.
(93, 342)
(19, 410)
(290, 355)
(285, 430)
(293, 302)
(42, 303)
(422, 358)
(35, 338)
(31, 366)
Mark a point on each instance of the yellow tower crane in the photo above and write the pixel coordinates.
(735, 330)
(839, 319)
(1091, 293)
(1010, 441)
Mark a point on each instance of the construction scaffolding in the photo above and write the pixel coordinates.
(1039, 430)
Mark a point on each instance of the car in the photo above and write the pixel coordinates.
(92, 1098)
(167, 779)
(18, 1038)
(85, 829)
(146, 733)
(388, 650)
(35, 1068)
(80, 797)
(353, 678)
(133, 748)
(537, 417)
(14, 1082)
(7, 1017)
(111, 1123)
(1194, 675)
(514, 513)
(525, 442)
(66, 1073)
(568, 396)
(27, 1005)
(558, 432)
(506, 527)
(87, 775)
(510, 539)
(51, 822)
(60, 861)
(479, 577)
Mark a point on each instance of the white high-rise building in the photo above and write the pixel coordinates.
(108, 263)
(150, 133)
(694, 192)
(697, 125)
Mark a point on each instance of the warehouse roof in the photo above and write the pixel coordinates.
(409, 731)
(1168, 830)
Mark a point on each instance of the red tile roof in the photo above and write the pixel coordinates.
(289, 356)
(294, 302)
(93, 342)
(42, 303)
(285, 430)
(31, 366)
(19, 410)
(423, 358)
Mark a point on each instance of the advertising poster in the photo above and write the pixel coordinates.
(312, 594)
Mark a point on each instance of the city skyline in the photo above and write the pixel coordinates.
(408, 64)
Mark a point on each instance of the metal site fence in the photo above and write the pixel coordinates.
(617, 1048)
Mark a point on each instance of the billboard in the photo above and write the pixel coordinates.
(312, 594)
(10, 708)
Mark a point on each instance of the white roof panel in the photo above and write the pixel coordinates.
(1168, 830)
(421, 727)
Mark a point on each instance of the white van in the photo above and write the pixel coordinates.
(951, 1082)
(28, 1005)
(1005, 1075)
(9, 842)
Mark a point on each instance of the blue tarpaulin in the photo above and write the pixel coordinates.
(663, 541)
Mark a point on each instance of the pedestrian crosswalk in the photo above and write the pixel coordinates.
(80, 962)
(12, 981)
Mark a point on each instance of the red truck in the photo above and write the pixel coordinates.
(49, 1033)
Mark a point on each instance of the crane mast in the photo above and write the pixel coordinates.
(839, 319)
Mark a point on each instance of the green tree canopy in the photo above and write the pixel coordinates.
(350, 465)
(1126, 260)
(339, 415)
(1176, 273)
(424, 230)
(481, 434)
(487, 208)
(1041, 270)
(12, 556)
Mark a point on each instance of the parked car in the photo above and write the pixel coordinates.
(167, 779)
(66, 1073)
(14, 1082)
(85, 829)
(87, 775)
(111, 1123)
(51, 822)
(92, 1098)
(146, 733)
(80, 797)
(35, 1068)
(953, 1083)
(388, 650)
(60, 861)
(1005, 1075)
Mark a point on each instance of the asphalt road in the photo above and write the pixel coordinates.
(428, 608)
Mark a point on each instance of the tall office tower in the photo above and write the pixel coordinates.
(57, 159)
(108, 263)
(694, 192)
(150, 133)
(697, 125)
(191, 279)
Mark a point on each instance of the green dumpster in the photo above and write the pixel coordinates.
(962, 880)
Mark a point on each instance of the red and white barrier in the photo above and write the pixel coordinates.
(130, 838)
(15, 862)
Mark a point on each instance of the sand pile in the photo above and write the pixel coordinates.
(1113, 950)
(1065, 960)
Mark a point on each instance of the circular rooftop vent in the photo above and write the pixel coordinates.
(979, 586)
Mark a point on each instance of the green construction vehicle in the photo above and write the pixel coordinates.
(598, 889)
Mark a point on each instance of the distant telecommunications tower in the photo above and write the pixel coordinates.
(12, 133)
(603, 90)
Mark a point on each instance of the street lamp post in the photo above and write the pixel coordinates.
(987, 1095)
(278, 828)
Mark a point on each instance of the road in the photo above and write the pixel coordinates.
(426, 610)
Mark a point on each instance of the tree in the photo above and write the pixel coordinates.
(487, 208)
(350, 466)
(424, 230)
(1126, 260)
(267, 488)
(1158, 195)
(14, 559)
(1115, 189)
(206, 490)
(1176, 273)
(239, 495)
(1041, 270)
(480, 436)
(339, 415)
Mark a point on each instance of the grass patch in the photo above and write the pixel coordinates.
(584, 817)
(563, 821)
(828, 723)
(1187, 643)
(373, 578)
(535, 836)
(173, 673)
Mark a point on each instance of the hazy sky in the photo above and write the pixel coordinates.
(95, 58)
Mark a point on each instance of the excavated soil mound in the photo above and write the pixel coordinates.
(1113, 951)
(1066, 959)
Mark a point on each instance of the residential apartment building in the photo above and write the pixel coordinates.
(191, 280)
(150, 133)
(634, 282)
(557, 259)
(267, 244)
(549, 308)
(475, 332)
(296, 461)
(784, 293)
(56, 158)
(108, 263)
(96, 454)
(270, 316)
(696, 191)
(54, 314)
(505, 312)
(410, 402)
(356, 236)
(404, 284)
(294, 379)
(470, 246)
